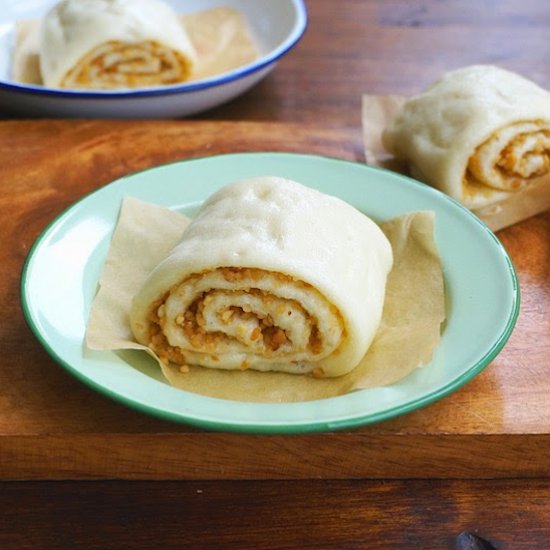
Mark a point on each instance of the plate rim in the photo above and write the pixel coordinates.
(294, 427)
(291, 40)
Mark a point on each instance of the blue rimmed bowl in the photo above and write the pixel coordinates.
(276, 26)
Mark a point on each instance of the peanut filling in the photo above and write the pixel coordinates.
(262, 331)
(509, 159)
(192, 323)
(158, 342)
(521, 159)
(117, 64)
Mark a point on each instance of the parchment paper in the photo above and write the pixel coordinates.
(378, 110)
(221, 38)
(410, 330)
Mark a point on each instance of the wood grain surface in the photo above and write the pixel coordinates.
(497, 426)
(52, 427)
(352, 514)
(393, 46)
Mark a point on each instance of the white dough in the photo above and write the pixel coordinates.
(75, 27)
(279, 227)
(474, 113)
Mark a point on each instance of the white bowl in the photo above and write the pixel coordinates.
(276, 25)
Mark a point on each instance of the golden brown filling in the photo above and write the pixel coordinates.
(538, 158)
(509, 159)
(158, 342)
(265, 331)
(118, 64)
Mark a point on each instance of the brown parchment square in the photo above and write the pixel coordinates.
(410, 330)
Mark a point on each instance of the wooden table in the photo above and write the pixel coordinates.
(80, 471)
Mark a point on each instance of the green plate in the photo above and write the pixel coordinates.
(60, 280)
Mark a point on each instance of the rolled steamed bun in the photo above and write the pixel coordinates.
(270, 275)
(479, 134)
(113, 44)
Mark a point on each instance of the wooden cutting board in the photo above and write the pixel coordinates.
(52, 427)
